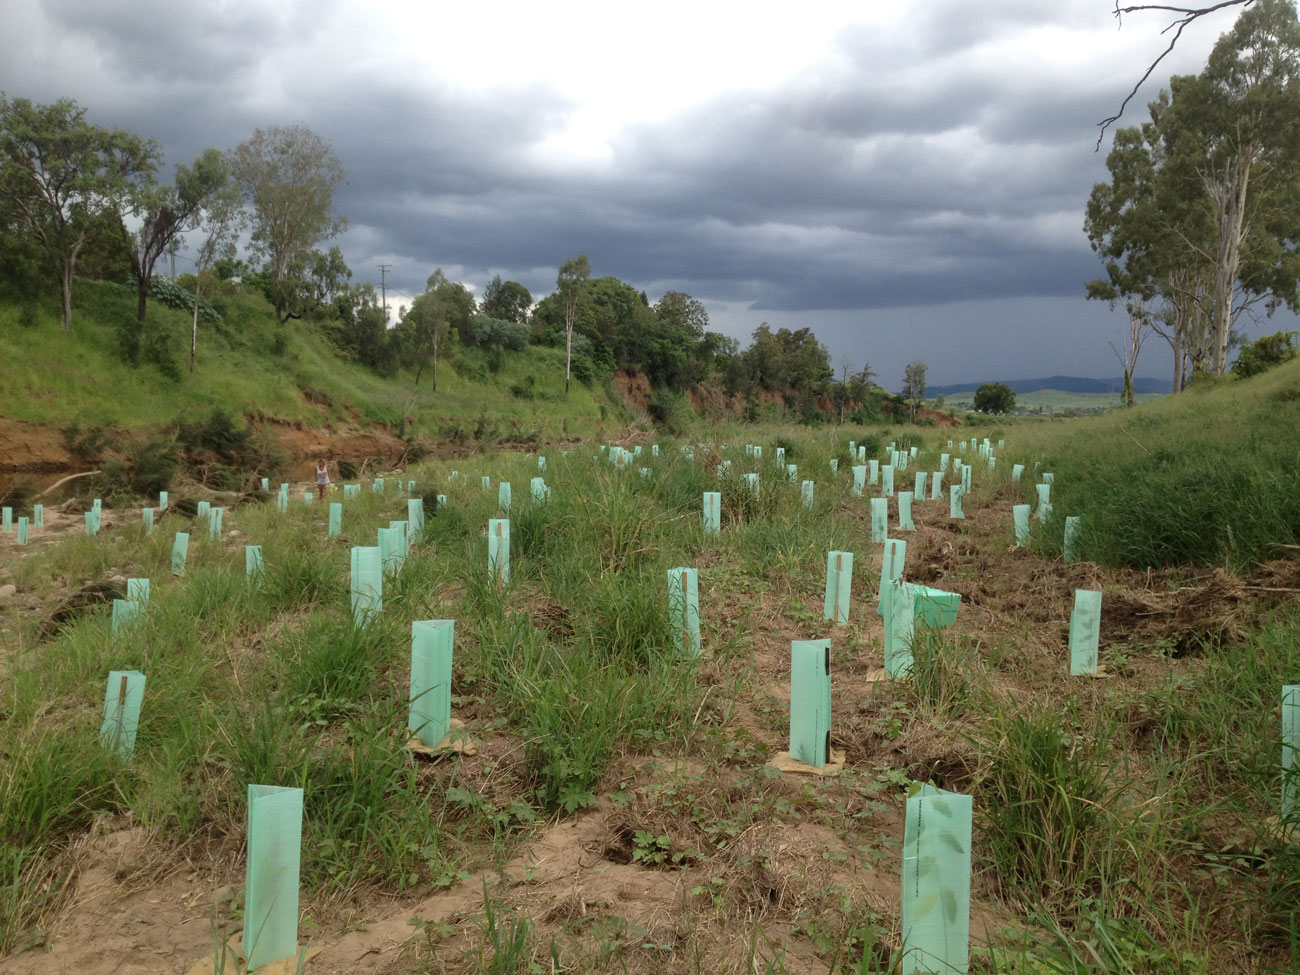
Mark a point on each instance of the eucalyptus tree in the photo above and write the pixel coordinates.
(571, 284)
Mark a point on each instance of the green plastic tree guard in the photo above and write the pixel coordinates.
(542, 492)
(780, 455)
(351, 491)
(900, 623)
(282, 498)
(124, 613)
(892, 560)
(806, 489)
(859, 480)
(137, 590)
(712, 513)
(751, 481)
(1072, 529)
(336, 519)
(918, 489)
(147, 515)
(254, 567)
(1020, 517)
(442, 498)
(7, 518)
(966, 473)
(204, 509)
(936, 883)
(38, 516)
(936, 486)
(862, 454)
(180, 548)
(377, 486)
(853, 448)
(911, 452)
(390, 550)
(791, 472)
(873, 471)
(905, 512)
(943, 459)
(503, 496)
(214, 522)
(541, 461)
(887, 480)
(122, 700)
(835, 465)
(684, 607)
(415, 518)
(367, 584)
(431, 657)
(271, 881)
(810, 701)
(410, 487)
(1016, 471)
(839, 587)
(499, 550)
(993, 462)
(1044, 498)
(879, 519)
(1290, 753)
(954, 501)
(654, 450)
(404, 537)
(308, 497)
(934, 607)
(758, 451)
(1049, 478)
(266, 484)
(22, 531)
(92, 522)
(1085, 632)
(963, 446)
(487, 483)
(97, 506)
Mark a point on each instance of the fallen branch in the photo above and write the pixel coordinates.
(63, 481)
(1134, 439)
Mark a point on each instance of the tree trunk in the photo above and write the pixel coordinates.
(194, 330)
(568, 355)
(142, 298)
(66, 283)
(435, 360)
(1128, 387)
(1230, 202)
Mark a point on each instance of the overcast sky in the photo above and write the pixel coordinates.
(907, 178)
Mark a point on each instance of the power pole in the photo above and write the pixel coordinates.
(383, 288)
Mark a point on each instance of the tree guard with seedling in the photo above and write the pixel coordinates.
(415, 518)
(499, 550)
(541, 463)
(1020, 518)
(862, 453)
(873, 471)
(1016, 471)
(966, 473)
(892, 560)
(266, 484)
(124, 613)
(543, 493)
(146, 515)
(271, 882)
(835, 465)
(215, 516)
(38, 516)
(22, 531)
(934, 607)
(431, 658)
(839, 587)
(859, 480)
(367, 584)
(92, 523)
(954, 501)
(806, 490)
(308, 497)
(377, 486)
(403, 535)
(1044, 499)
(137, 590)
(336, 519)
(751, 481)
(780, 455)
(162, 501)
(254, 567)
(684, 608)
(180, 549)
(879, 519)
(1072, 530)
(203, 510)
(936, 486)
(282, 499)
(503, 496)
(943, 459)
(810, 701)
(712, 513)
(791, 472)
(351, 491)
(918, 488)
(887, 480)
(936, 882)
(391, 550)
(900, 623)
(122, 701)
(905, 522)
(7, 518)
(1085, 632)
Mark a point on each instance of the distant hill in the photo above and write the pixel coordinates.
(1067, 384)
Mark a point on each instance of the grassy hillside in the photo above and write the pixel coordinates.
(249, 364)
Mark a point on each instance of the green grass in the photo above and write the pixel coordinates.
(59, 380)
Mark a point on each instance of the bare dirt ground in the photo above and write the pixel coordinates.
(812, 842)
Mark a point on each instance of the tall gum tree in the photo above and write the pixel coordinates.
(289, 175)
(60, 175)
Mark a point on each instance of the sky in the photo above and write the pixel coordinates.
(907, 178)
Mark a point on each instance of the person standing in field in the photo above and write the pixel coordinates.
(322, 476)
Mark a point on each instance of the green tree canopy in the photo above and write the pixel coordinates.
(508, 301)
(994, 398)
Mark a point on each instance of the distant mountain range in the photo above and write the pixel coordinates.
(1067, 384)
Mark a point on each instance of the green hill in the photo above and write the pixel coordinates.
(248, 365)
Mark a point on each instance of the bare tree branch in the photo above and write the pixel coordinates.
(1187, 15)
